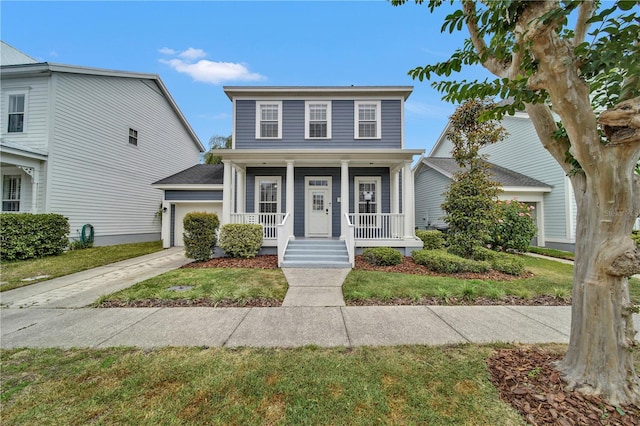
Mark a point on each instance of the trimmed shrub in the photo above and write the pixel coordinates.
(241, 240)
(28, 236)
(508, 264)
(483, 253)
(382, 256)
(432, 239)
(200, 235)
(448, 263)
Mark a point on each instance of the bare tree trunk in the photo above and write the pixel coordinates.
(599, 359)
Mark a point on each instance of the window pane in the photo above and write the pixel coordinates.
(16, 123)
(367, 129)
(268, 129)
(269, 112)
(317, 130)
(16, 103)
(367, 112)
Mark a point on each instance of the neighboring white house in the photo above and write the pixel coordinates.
(322, 167)
(87, 143)
(536, 178)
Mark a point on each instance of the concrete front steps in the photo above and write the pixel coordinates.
(311, 253)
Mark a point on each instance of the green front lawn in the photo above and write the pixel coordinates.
(217, 284)
(306, 386)
(70, 262)
(550, 278)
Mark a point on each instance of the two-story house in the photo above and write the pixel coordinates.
(87, 143)
(313, 165)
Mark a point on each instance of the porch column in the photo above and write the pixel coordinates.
(395, 193)
(227, 192)
(344, 195)
(241, 190)
(408, 200)
(34, 173)
(288, 208)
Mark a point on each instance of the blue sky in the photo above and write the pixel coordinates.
(198, 47)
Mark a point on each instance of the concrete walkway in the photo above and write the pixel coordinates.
(53, 314)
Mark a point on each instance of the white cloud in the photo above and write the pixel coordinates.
(191, 54)
(427, 110)
(167, 51)
(208, 71)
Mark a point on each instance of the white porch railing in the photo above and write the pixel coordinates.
(348, 230)
(377, 226)
(284, 231)
(269, 222)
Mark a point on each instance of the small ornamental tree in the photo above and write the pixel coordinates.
(515, 226)
(199, 235)
(469, 204)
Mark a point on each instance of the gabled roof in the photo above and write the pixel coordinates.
(9, 55)
(46, 68)
(505, 177)
(200, 174)
(311, 91)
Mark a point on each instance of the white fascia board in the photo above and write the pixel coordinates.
(251, 92)
(526, 189)
(199, 187)
(441, 138)
(26, 153)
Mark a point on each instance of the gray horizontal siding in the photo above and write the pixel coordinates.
(193, 195)
(252, 172)
(430, 187)
(342, 132)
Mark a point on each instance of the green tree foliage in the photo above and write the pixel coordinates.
(199, 235)
(469, 204)
(216, 142)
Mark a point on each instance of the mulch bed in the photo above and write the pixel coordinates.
(527, 379)
(258, 262)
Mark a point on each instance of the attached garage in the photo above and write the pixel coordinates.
(196, 189)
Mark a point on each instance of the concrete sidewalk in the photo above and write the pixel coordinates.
(54, 314)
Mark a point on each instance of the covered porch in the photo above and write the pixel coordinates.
(348, 195)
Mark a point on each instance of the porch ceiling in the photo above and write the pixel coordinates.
(330, 157)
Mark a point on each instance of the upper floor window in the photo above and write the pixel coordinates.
(11, 193)
(317, 120)
(16, 113)
(268, 120)
(133, 137)
(367, 120)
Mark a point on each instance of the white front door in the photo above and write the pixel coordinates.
(318, 207)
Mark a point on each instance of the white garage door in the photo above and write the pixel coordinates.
(183, 208)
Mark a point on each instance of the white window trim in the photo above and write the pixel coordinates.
(356, 182)
(5, 121)
(137, 136)
(20, 193)
(307, 118)
(278, 180)
(356, 120)
(259, 116)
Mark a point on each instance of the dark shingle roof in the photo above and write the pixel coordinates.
(200, 174)
(502, 175)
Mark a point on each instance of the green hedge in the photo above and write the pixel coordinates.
(27, 236)
(200, 235)
(382, 256)
(241, 240)
(432, 239)
(447, 263)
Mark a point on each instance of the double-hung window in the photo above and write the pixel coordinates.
(317, 120)
(11, 193)
(15, 113)
(269, 120)
(268, 194)
(367, 120)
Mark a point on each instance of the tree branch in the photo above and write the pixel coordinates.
(546, 126)
(490, 62)
(586, 12)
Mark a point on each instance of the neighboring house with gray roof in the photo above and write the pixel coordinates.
(525, 171)
(87, 143)
(198, 188)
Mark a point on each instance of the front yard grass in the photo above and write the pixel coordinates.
(551, 278)
(315, 386)
(238, 285)
(70, 262)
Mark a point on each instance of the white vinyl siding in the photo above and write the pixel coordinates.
(268, 194)
(94, 175)
(269, 120)
(36, 116)
(317, 120)
(367, 120)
